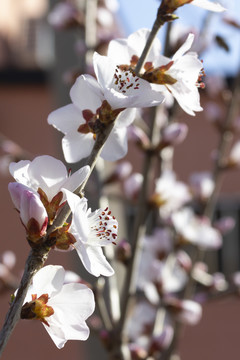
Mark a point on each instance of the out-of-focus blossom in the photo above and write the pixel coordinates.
(196, 230)
(32, 211)
(62, 308)
(225, 224)
(132, 185)
(185, 311)
(137, 135)
(201, 185)
(121, 171)
(174, 134)
(7, 279)
(170, 194)
(234, 157)
(65, 15)
(162, 341)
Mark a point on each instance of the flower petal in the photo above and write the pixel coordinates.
(208, 5)
(94, 260)
(66, 119)
(116, 145)
(86, 93)
(77, 146)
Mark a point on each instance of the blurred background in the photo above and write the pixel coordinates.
(44, 46)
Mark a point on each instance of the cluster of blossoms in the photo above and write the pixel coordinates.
(43, 187)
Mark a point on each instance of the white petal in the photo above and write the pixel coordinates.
(66, 119)
(208, 5)
(77, 146)
(116, 145)
(126, 117)
(48, 280)
(19, 170)
(94, 260)
(137, 41)
(184, 48)
(48, 173)
(119, 52)
(86, 93)
(80, 225)
(104, 69)
(73, 304)
(76, 178)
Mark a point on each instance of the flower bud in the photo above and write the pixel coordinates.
(121, 172)
(123, 251)
(174, 134)
(32, 212)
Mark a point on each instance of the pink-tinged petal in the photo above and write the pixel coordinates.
(77, 178)
(19, 170)
(94, 260)
(32, 207)
(66, 119)
(77, 146)
(126, 117)
(184, 48)
(86, 93)
(208, 5)
(116, 145)
(15, 189)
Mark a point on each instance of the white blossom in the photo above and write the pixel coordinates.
(68, 305)
(178, 75)
(80, 122)
(47, 173)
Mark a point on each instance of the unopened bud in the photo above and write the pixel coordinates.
(123, 251)
(174, 134)
(32, 212)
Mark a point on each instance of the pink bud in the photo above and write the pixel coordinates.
(138, 135)
(122, 171)
(32, 212)
(175, 133)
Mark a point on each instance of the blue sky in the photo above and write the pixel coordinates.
(136, 14)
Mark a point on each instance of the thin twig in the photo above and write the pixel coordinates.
(35, 261)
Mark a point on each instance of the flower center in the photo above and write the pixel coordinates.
(105, 226)
(37, 309)
(125, 80)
